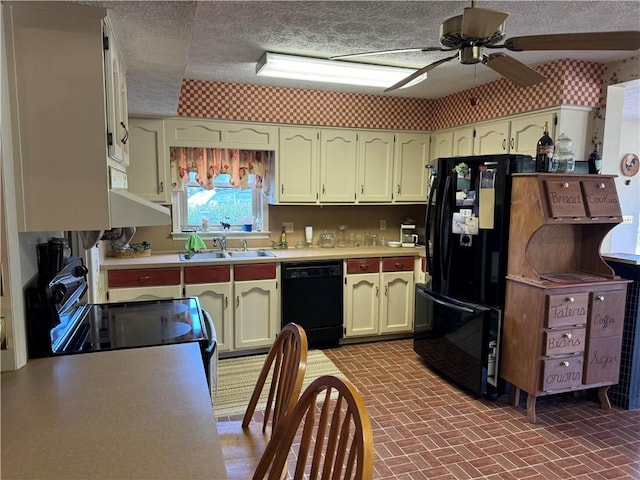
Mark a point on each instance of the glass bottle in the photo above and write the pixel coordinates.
(342, 236)
(595, 160)
(563, 159)
(544, 151)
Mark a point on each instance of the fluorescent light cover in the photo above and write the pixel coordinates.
(332, 71)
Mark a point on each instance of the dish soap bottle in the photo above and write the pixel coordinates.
(283, 238)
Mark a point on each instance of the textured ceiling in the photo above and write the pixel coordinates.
(163, 42)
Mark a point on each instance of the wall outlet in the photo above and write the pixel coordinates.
(383, 224)
(288, 227)
(627, 219)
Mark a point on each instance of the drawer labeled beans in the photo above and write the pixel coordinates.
(564, 342)
(567, 309)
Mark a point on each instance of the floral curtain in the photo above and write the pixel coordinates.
(208, 163)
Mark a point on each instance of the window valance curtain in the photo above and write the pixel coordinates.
(209, 163)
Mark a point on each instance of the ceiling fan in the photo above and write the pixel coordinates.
(478, 29)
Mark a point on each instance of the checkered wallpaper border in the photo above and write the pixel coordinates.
(570, 82)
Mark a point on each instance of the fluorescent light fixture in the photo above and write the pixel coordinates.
(332, 71)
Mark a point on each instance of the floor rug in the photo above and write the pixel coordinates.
(237, 378)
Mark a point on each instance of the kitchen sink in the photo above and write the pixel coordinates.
(250, 254)
(226, 255)
(203, 256)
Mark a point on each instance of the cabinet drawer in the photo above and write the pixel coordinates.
(263, 271)
(606, 313)
(363, 265)
(564, 198)
(397, 264)
(567, 309)
(602, 362)
(601, 198)
(143, 277)
(564, 342)
(561, 373)
(207, 274)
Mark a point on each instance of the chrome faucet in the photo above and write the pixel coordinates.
(222, 241)
(244, 244)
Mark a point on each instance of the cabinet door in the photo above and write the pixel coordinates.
(298, 165)
(362, 297)
(491, 138)
(337, 166)
(375, 166)
(214, 298)
(116, 99)
(256, 313)
(441, 146)
(410, 173)
(462, 142)
(526, 131)
(397, 302)
(144, 293)
(148, 170)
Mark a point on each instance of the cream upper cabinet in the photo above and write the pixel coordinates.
(57, 102)
(526, 131)
(463, 142)
(298, 164)
(441, 145)
(338, 168)
(491, 138)
(410, 174)
(375, 166)
(116, 96)
(148, 172)
(190, 132)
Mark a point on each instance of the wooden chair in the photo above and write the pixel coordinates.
(332, 426)
(243, 442)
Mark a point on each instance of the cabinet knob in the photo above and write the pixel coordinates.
(601, 185)
(600, 298)
(564, 364)
(564, 184)
(571, 299)
(567, 335)
(364, 266)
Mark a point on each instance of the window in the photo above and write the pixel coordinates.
(214, 189)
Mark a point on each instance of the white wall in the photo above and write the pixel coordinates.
(622, 136)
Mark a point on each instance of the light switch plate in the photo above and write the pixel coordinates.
(383, 224)
(288, 227)
(627, 219)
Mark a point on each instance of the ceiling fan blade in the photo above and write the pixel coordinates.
(576, 41)
(383, 52)
(481, 23)
(513, 69)
(417, 73)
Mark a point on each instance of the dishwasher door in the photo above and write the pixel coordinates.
(312, 297)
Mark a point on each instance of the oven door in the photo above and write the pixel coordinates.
(458, 339)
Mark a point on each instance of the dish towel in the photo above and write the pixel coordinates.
(194, 244)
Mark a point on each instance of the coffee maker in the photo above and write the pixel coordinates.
(408, 236)
(51, 257)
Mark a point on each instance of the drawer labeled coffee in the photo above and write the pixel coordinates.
(606, 313)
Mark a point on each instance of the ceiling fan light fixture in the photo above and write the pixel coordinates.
(293, 67)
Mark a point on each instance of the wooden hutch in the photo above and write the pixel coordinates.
(564, 308)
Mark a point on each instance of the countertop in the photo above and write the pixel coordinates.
(121, 414)
(290, 254)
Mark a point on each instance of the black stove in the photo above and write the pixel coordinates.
(59, 322)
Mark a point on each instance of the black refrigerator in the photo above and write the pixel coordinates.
(458, 313)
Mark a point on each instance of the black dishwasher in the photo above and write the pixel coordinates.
(312, 298)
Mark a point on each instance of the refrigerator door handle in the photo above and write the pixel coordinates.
(445, 248)
(453, 306)
(427, 223)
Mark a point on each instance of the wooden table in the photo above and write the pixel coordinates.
(122, 414)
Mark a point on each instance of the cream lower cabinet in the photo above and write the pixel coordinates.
(379, 302)
(148, 172)
(214, 289)
(410, 175)
(256, 305)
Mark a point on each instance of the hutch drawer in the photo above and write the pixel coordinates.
(602, 360)
(561, 373)
(606, 313)
(567, 309)
(600, 197)
(564, 342)
(564, 198)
